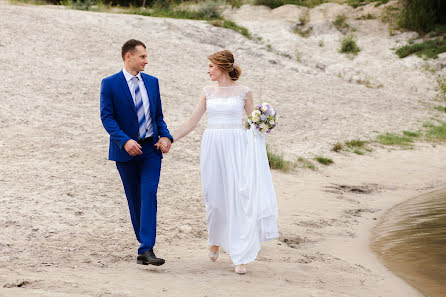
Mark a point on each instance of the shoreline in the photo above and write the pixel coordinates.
(393, 249)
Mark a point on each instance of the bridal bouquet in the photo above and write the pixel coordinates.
(263, 118)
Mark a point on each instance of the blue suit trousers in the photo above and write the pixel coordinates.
(140, 177)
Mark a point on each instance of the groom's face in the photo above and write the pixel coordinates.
(138, 58)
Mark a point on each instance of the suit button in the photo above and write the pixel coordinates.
(136, 123)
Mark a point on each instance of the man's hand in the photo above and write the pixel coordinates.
(133, 148)
(164, 144)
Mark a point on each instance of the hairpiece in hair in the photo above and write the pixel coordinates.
(234, 65)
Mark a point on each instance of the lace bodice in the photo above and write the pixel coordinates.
(225, 106)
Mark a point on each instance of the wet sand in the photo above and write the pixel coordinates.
(411, 238)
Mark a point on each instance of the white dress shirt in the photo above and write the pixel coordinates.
(144, 96)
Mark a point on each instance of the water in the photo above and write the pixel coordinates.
(411, 241)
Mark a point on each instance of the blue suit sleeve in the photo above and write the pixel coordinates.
(159, 118)
(107, 116)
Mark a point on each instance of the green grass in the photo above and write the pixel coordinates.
(440, 108)
(349, 45)
(323, 160)
(394, 139)
(208, 11)
(436, 132)
(441, 89)
(177, 14)
(355, 143)
(428, 49)
(356, 146)
(356, 3)
(358, 152)
(366, 17)
(231, 25)
(276, 161)
(305, 163)
(34, 2)
(411, 134)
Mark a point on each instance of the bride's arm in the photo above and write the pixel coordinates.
(192, 122)
(249, 103)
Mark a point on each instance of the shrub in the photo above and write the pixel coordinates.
(418, 15)
(348, 45)
(82, 4)
(235, 3)
(340, 23)
(209, 10)
(337, 147)
(277, 3)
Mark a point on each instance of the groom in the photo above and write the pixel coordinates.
(131, 113)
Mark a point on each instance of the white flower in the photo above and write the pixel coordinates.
(255, 116)
(263, 126)
(264, 107)
(271, 122)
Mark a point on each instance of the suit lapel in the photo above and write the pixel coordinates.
(151, 95)
(126, 91)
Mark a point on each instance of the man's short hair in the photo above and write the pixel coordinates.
(130, 46)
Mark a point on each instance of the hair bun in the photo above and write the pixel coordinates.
(225, 61)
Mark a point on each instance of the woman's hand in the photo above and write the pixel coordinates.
(164, 144)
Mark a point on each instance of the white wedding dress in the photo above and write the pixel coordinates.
(241, 207)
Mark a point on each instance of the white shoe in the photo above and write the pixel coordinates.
(240, 269)
(213, 256)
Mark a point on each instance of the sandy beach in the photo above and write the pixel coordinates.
(65, 226)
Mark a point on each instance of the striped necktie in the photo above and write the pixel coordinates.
(140, 112)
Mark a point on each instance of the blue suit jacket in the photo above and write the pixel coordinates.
(118, 113)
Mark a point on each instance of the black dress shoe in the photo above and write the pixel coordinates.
(148, 257)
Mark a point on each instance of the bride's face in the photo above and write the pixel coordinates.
(214, 72)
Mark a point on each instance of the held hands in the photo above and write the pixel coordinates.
(163, 144)
(133, 148)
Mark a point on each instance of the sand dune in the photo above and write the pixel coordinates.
(65, 228)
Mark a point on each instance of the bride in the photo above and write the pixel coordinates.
(233, 221)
